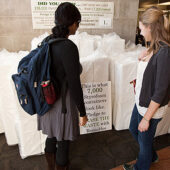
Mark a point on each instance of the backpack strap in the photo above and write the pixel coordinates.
(50, 41)
(56, 40)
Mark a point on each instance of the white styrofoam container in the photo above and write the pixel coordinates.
(30, 140)
(164, 125)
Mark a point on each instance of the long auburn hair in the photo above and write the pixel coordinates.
(159, 25)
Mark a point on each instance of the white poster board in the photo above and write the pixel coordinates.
(97, 98)
(94, 14)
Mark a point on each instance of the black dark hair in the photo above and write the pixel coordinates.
(65, 15)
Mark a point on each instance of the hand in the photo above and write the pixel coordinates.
(134, 84)
(143, 55)
(143, 125)
(83, 120)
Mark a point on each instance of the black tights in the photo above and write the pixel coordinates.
(61, 148)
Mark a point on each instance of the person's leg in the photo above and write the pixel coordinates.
(133, 128)
(50, 145)
(154, 156)
(50, 152)
(62, 154)
(145, 140)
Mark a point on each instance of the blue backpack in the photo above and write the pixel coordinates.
(33, 75)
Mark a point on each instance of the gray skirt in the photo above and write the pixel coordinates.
(59, 125)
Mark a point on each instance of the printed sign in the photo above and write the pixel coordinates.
(94, 14)
(97, 98)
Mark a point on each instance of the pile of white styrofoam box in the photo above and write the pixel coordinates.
(8, 110)
(20, 128)
(123, 69)
(30, 140)
(164, 125)
(1, 90)
(1, 126)
(85, 44)
(112, 43)
(1, 109)
(95, 67)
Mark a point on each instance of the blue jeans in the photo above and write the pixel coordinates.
(147, 153)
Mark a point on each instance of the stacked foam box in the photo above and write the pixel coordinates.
(85, 44)
(112, 43)
(1, 103)
(1, 90)
(97, 66)
(1, 125)
(92, 70)
(75, 38)
(8, 109)
(2, 95)
(30, 140)
(164, 125)
(20, 128)
(123, 69)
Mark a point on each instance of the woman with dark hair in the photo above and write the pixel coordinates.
(61, 122)
(152, 86)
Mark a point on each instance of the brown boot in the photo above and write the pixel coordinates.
(50, 157)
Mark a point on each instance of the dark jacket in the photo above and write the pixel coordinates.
(66, 66)
(156, 79)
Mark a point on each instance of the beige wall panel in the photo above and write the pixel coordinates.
(15, 7)
(6, 43)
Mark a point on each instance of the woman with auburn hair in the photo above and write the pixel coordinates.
(152, 86)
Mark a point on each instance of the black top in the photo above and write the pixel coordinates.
(156, 78)
(66, 66)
